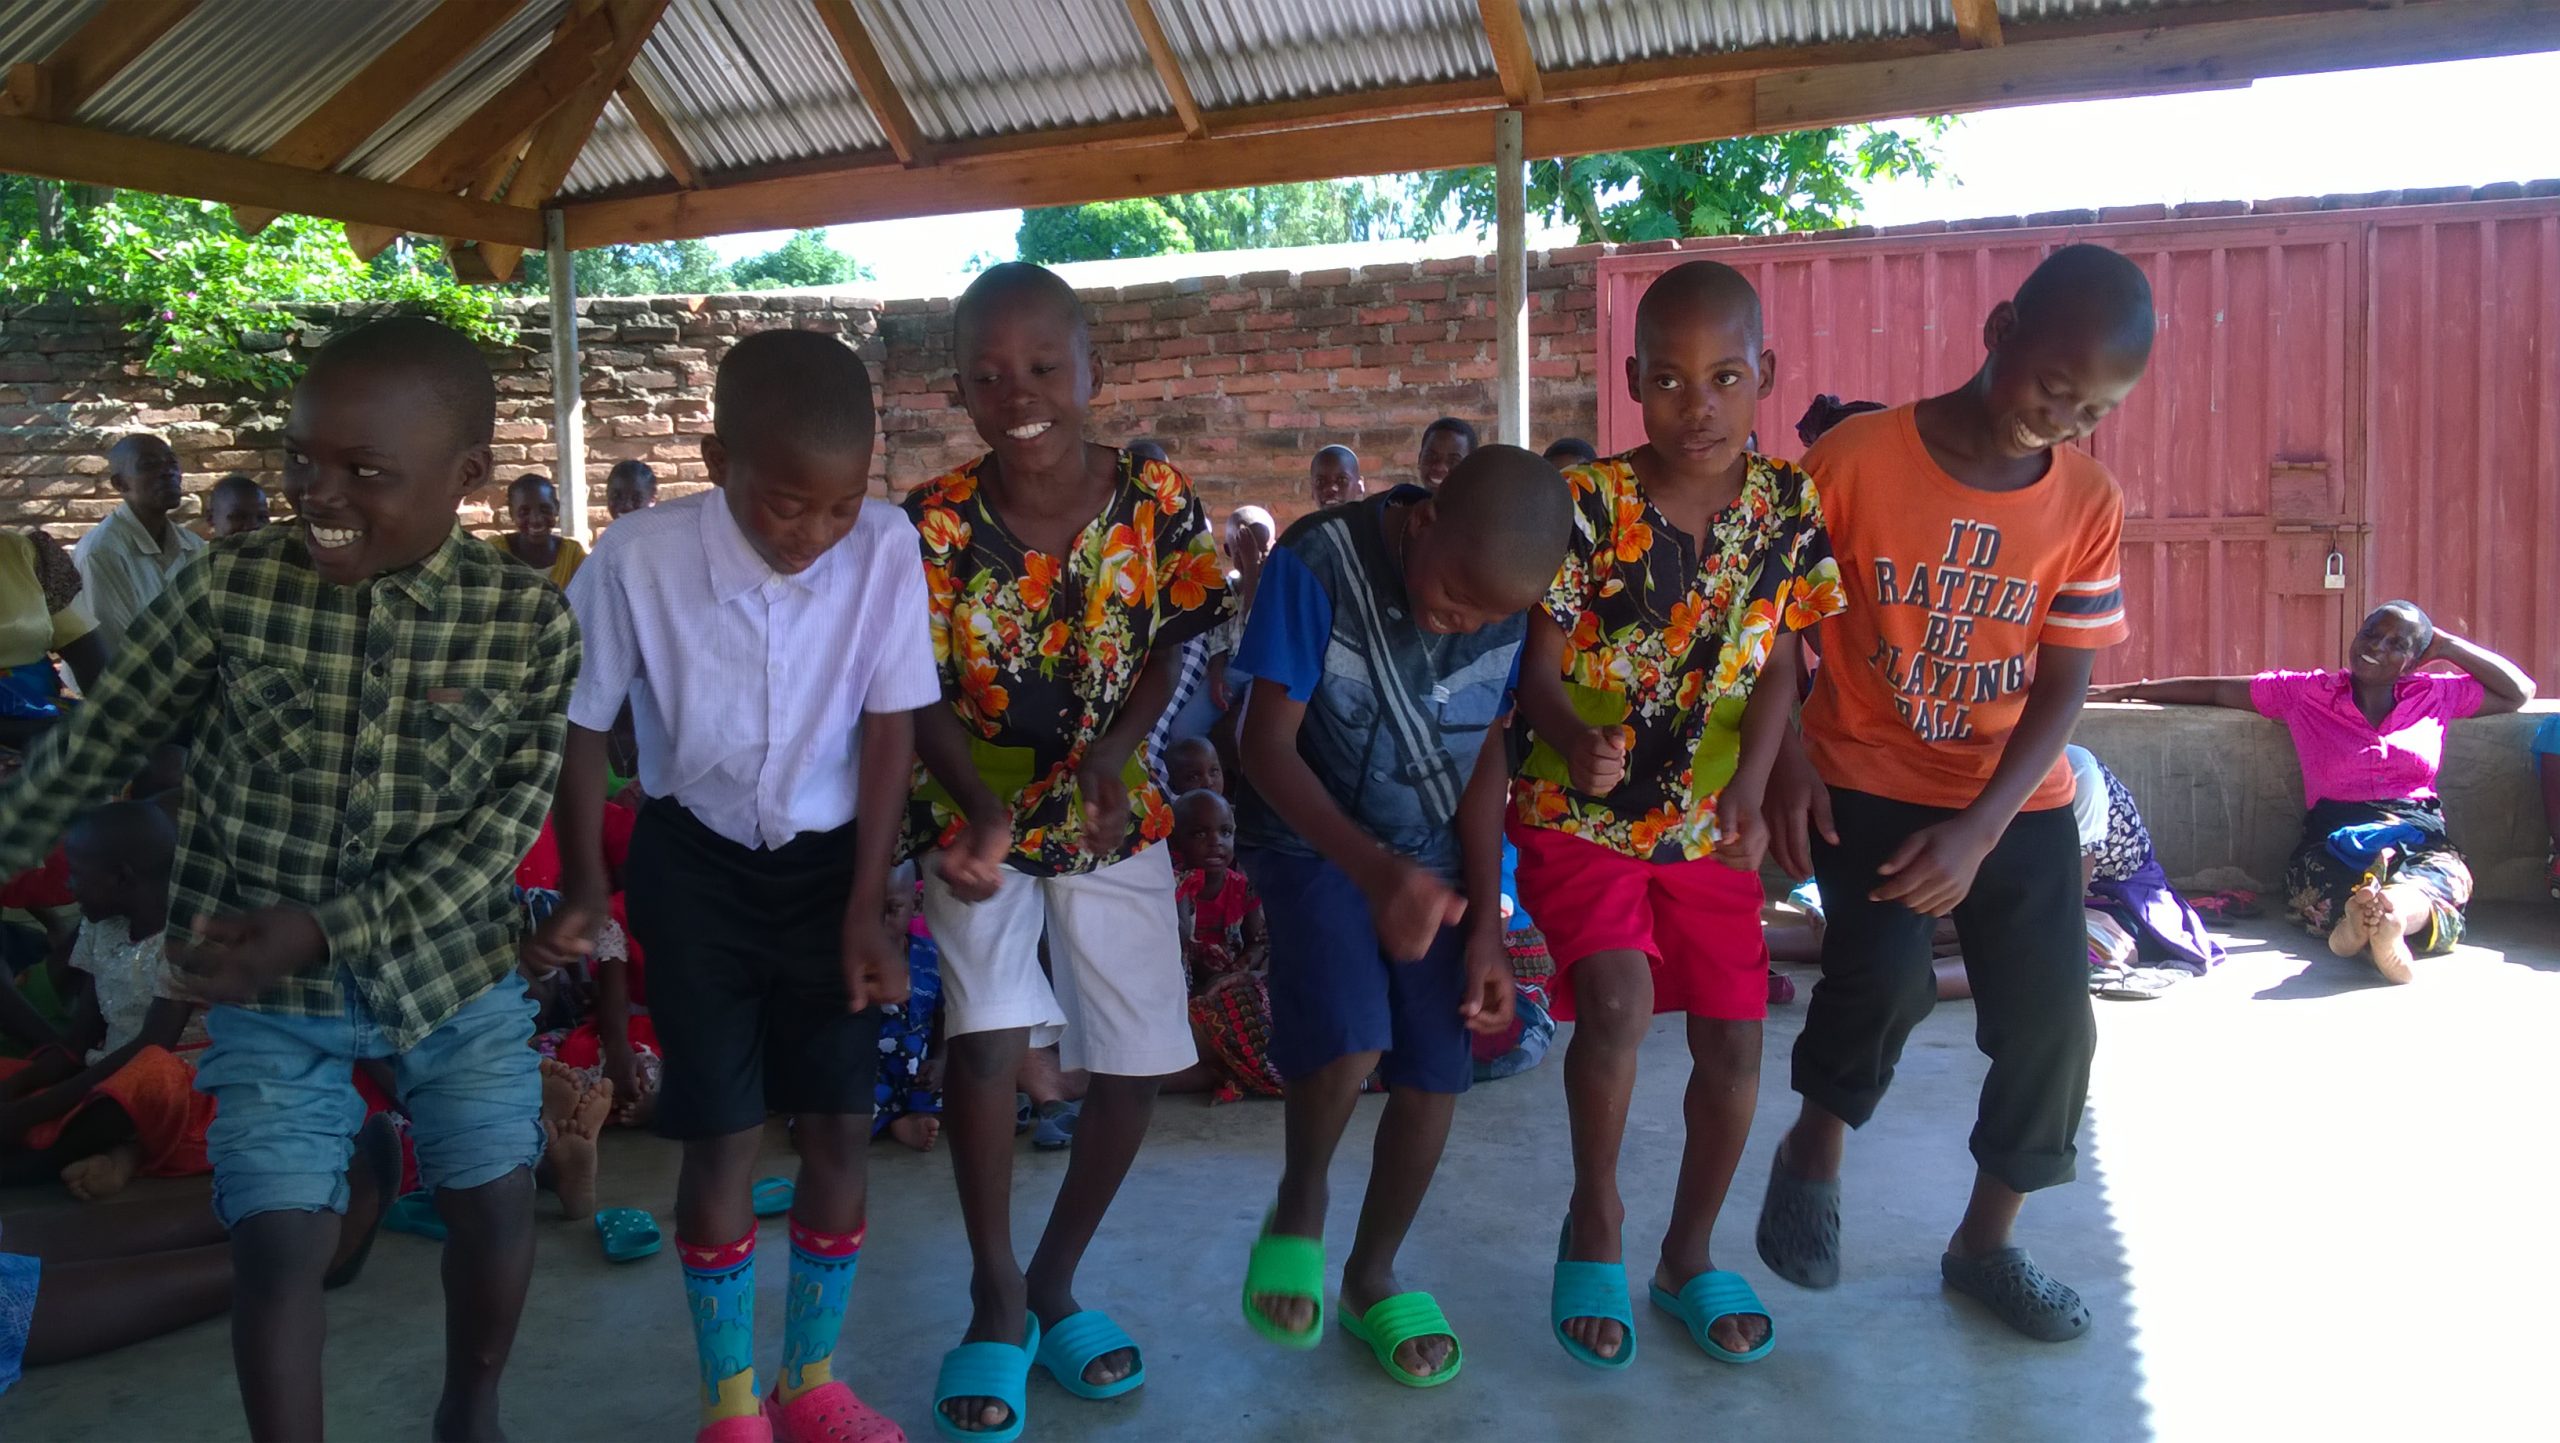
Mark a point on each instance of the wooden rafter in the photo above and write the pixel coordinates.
(661, 136)
(97, 157)
(1508, 34)
(1186, 107)
(2289, 39)
(556, 142)
(871, 78)
(96, 53)
(400, 74)
(1978, 22)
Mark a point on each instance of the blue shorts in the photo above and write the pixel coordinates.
(287, 1111)
(1335, 992)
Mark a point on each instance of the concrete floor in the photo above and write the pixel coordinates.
(2309, 1207)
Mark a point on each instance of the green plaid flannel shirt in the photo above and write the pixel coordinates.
(380, 755)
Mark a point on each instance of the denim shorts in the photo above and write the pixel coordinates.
(287, 1110)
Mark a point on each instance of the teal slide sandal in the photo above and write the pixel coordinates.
(1710, 1296)
(1000, 1371)
(415, 1212)
(1591, 1290)
(628, 1234)
(773, 1196)
(1070, 1348)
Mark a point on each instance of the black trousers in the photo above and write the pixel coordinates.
(745, 951)
(2026, 950)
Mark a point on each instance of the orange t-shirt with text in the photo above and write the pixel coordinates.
(1951, 590)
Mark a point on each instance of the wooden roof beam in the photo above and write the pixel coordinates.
(1978, 23)
(95, 54)
(556, 142)
(871, 78)
(1186, 107)
(323, 140)
(1508, 34)
(661, 136)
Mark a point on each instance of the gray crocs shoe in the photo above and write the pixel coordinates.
(1799, 1233)
(2010, 1284)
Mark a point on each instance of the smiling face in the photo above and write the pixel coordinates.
(1699, 374)
(1442, 450)
(1334, 477)
(794, 506)
(1026, 378)
(2052, 385)
(629, 489)
(2389, 644)
(374, 469)
(146, 474)
(1204, 832)
(534, 505)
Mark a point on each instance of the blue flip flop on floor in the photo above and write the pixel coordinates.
(1070, 1348)
(628, 1234)
(1710, 1296)
(1591, 1290)
(415, 1212)
(773, 1196)
(1000, 1371)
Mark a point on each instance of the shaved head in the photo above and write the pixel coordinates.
(138, 835)
(1343, 456)
(443, 362)
(1507, 514)
(2091, 295)
(804, 392)
(1010, 285)
(1699, 293)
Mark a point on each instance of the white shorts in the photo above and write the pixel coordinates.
(1115, 1000)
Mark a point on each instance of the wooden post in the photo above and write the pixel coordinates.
(568, 397)
(1511, 284)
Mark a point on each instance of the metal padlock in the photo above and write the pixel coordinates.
(2333, 576)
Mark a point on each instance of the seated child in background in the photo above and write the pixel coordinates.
(133, 1107)
(630, 486)
(1333, 477)
(235, 505)
(909, 1092)
(534, 509)
(1445, 443)
(1223, 934)
(595, 1012)
(1192, 765)
(1571, 451)
(1369, 840)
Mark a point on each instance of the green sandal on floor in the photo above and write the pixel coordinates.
(1287, 1267)
(1398, 1320)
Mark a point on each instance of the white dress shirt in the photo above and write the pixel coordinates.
(748, 687)
(122, 568)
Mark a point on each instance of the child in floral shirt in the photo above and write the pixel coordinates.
(1656, 682)
(1064, 577)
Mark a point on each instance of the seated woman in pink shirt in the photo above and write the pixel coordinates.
(2374, 869)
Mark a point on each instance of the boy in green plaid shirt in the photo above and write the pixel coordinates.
(375, 704)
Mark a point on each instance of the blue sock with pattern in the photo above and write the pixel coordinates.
(822, 1267)
(720, 1292)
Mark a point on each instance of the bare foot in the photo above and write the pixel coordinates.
(573, 1150)
(2391, 940)
(1733, 1332)
(1421, 1356)
(559, 1098)
(993, 1307)
(95, 1179)
(916, 1129)
(1592, 1237)
(2355, 922)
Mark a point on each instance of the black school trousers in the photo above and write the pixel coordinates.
(2026, 950)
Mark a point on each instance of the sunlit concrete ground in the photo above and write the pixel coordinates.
(2311, 1208)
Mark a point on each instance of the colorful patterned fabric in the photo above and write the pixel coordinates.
(1233, 1022)
(906, 1037)
(1665, 637)
(1216, 945)
(19, 1275)
(1038, 653)
(2317, 882)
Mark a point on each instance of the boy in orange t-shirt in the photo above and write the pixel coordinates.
(1979, 555)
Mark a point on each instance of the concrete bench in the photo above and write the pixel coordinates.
(2223, 789)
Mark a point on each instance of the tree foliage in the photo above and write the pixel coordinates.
(807, 259)
(1300, 214)
(1751, 185)
(664, 268)
(205, 297)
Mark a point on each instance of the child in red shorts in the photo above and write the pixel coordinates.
(1656, 682)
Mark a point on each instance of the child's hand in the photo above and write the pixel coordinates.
(1742, 832)
(236, 956)
(874, 971)
(1106, 804)
(1491, 997)
(565, 937)
(1933, 869)
(972, 867)
(622, 1069)
(1598, 761)
(1796, 810)
(1409, 905)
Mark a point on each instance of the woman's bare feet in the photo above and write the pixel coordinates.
(95, 1179)
(2353, 929)
(573, 1150)
(916, 1129)
(2388, 928)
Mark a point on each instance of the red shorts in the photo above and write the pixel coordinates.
(1699, 922)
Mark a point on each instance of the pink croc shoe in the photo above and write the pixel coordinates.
(754, 1428)
(829, 1413)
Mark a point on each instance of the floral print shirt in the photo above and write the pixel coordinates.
(1038, 652)
(1665, 638)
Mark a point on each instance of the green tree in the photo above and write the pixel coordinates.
(661, 268)
(1750, 185)
(807, 259)
(206, 298)
(1106, 230)
(1299, 214)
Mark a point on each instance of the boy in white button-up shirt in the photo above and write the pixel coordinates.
(770, 637)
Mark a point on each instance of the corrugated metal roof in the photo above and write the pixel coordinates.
(973, 68)
(236, 74)
(742, 83)
(1578, 34)
(29, 29)
(1247, 52)
(465, 88)
(615, 154)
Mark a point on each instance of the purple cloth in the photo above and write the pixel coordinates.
(2167, 930)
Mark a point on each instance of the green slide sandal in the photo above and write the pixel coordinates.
(1398, 1320)
(1290, 1268)
(1710, 1296)
(1591, 1290)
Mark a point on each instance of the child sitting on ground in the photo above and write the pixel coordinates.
(533, 507)
(908, 1097)
(1387, 639)
(595, 1011)
(235, 506)
(1192, 765)
(630, 486)
(133, 1107)
(1222, 926)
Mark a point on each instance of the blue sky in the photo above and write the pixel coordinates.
(2463, 123)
